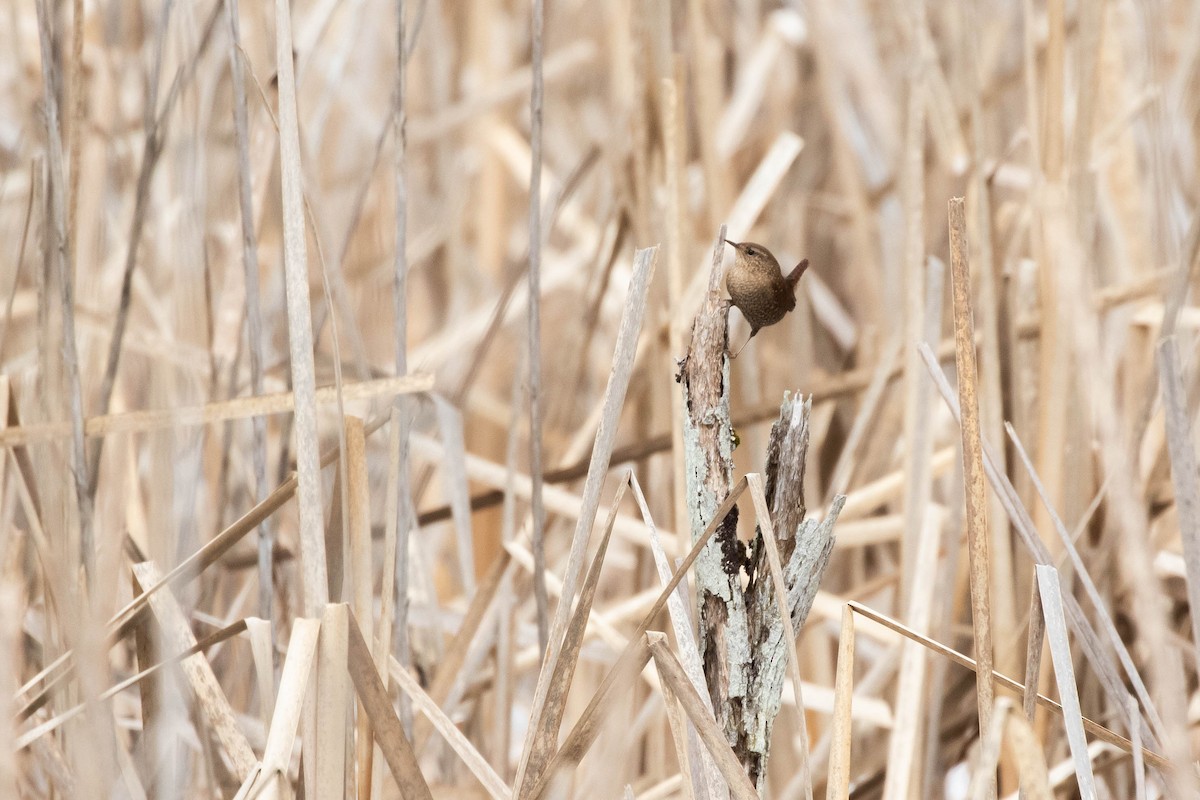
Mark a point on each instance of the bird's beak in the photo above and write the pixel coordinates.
(731, 244)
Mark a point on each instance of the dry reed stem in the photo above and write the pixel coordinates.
(59, 261)
(254, 317)
(1095, 728)
(389, 734)
(1183, 470)
(1097, 654)
(682, 733)
(262, 650)
(632, 659)
(360, 570)
(780, 585)
(550, 720)
(293, 684)
(1050, 594)
(303, 374)
(838, 780)
(1033, 655)
(688, 653)
(534, 365)
(155, 198)
(217, 411)
(333, 702)
(903, 746)
(672, 671)
(455, 477)
(673, 143)
(614, 398)
(395, 585)
(462, 746)
(977, 530)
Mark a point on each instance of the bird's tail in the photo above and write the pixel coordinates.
(794, 276)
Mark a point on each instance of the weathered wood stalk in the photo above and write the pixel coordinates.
(742, 641)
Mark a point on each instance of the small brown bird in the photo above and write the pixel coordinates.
(758, 287)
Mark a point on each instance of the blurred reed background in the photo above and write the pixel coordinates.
(173, 266)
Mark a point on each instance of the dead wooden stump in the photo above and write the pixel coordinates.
(742, 641)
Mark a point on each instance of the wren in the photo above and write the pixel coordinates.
(758, 287)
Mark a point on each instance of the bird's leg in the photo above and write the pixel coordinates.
(743, 347)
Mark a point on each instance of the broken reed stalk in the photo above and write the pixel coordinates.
(743, 641)
(977, 530)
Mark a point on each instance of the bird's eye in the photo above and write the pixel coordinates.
(749, 251)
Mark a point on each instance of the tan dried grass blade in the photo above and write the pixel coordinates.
(614, 399)
(976, 500)
(1095, 728)
(763, 517)
(631, 661)
(458, 742)
(1060, 651)
(207, 692)
(211, 413)
(450, 666)
(333, 703)
(671, 671)
(271, 779)
(389, 733)
(564, 667)
(838, 780)
(689, 651)
(314, 584)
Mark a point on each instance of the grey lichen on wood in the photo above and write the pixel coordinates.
(708, 459)
(804, 548)
(742, 641)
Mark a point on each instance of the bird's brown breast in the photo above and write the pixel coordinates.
(763, 300)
